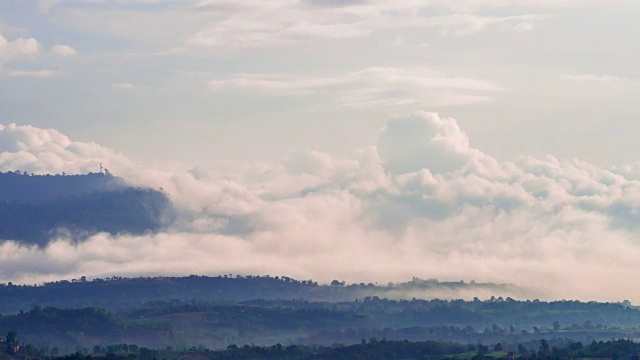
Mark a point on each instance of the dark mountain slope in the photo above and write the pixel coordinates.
(24, 188)
(34, 208)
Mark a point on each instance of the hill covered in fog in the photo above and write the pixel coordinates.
(218, 312)
(117, 292)
(35, 208)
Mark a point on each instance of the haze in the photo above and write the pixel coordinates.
(367, 141)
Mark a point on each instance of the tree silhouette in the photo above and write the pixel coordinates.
(12, 336)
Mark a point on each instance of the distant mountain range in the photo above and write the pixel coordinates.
(36, 208)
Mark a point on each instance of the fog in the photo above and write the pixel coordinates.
(421, 202)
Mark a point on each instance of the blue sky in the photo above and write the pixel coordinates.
(490, 140)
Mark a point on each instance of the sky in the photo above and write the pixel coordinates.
(365, 140)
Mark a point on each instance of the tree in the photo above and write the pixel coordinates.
(12, 336)
(588, 325)
(556, 325)
(497, 347)
(522, 349)
(575, 346)
(543, 352)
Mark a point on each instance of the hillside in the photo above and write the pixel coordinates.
(186, 322)
(116, 292)
(25, 188)
(35, 208)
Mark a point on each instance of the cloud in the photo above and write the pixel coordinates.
(45, 6)
(38, 150)
(423, 141)
(34, 73)
(22, 49)
(422, 202)
(399, 41)
(524, 26)
(384, 86)
(468, 24)
(590, 78)
(17, 49)
(203, 26)
(280, 23)
(63, 50)
(123, 86)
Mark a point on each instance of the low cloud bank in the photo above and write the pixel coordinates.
(422, 202)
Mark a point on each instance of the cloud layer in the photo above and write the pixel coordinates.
(372, 87)
(250, 23)
(209, 25)
(422, 202)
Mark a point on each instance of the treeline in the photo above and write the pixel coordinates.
(302, 322)
(117, 292)
(370, 349)
(71, 329)
(216, 324)
(125, 293)
(18, 186)
(501, 317)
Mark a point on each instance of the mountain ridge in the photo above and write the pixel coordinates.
(37, 208)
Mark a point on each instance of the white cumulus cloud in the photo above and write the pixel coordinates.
(39, 150)
(21, 49)
(17, 49)
(63, 50)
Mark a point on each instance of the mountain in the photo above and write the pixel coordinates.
(36, 208)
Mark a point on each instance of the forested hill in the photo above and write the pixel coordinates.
(24, 188)
(208, 320)
(34, 208)
(118, 292)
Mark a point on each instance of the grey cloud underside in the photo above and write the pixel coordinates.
(423, 202)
